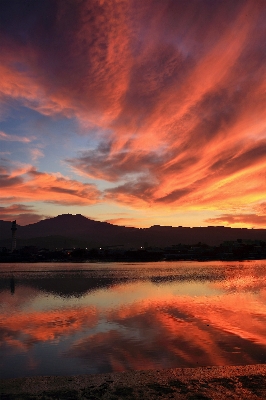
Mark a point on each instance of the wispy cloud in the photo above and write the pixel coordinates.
(36, 154)
(13, 138)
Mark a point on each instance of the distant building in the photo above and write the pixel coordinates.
(14, 239)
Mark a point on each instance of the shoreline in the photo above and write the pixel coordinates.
(202, 383)
(110, 261)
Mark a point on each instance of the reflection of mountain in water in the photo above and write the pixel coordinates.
(70, 286)
(64, 286)
(73, 284)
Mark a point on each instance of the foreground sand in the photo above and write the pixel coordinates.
(243, 382)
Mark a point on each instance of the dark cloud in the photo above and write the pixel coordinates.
(141, 189)
(62, 190)
(15, 208)
(163, 68)
(242, 159)
(181, 165)
(101, 163)
(22, 213)
(33, 172)
(174, 195)
(29, 21)
(7, 181)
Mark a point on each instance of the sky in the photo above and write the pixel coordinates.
(134, 112)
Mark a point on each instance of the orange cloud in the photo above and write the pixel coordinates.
(239, 219)
(28, 184)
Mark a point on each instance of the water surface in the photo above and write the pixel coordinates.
(86, 318)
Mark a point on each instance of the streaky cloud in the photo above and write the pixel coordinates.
(13, 138)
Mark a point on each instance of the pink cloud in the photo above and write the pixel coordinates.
(36, 154)
(13, 138)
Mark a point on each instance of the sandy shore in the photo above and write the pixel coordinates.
(241, 382)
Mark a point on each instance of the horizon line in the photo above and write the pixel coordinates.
(135, 227)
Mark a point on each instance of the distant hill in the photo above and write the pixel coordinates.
(78, 231)
(69, 231)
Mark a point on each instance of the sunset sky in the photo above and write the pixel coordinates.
(135, 112)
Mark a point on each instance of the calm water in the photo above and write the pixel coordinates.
(62, 319)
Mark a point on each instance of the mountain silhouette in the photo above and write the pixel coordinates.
(69, 230)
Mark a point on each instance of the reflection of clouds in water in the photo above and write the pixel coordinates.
(240, 314)
(26, 329)
(154, 339)
(214, 317)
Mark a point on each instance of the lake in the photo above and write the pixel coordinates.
(87, 318)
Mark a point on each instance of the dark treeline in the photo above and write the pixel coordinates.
(229, 250)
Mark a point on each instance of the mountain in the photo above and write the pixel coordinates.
(78, 231)
(68, 230)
